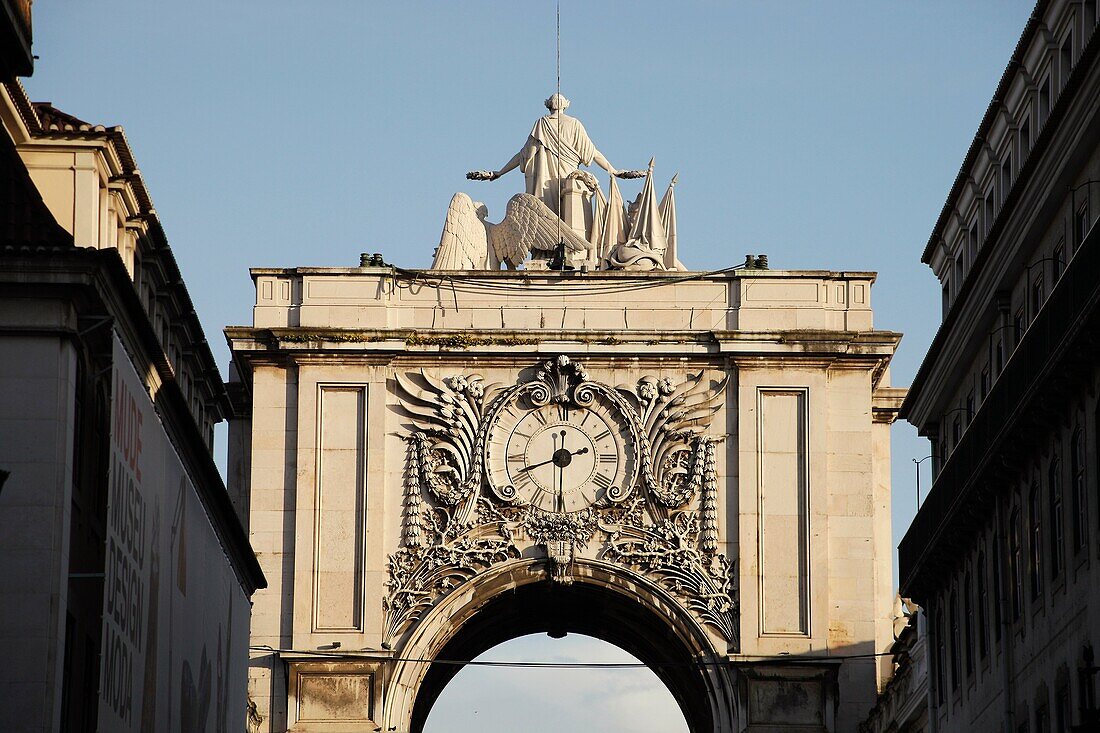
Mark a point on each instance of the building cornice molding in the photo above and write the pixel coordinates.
(99, 282)
(1014, 67)
(1034, 184)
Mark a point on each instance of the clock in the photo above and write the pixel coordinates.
(561, 456)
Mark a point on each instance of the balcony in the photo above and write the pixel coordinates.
(1060, 344)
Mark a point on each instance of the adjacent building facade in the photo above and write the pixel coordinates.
(125, 575)
(1005, 553)
(694, 467)
(903, 705)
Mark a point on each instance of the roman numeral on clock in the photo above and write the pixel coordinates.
(609, 457)
(602, 481)
(540, 418)
(602, 435)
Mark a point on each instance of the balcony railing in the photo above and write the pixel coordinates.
(1068, 316)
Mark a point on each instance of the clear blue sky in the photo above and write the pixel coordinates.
(288, 133)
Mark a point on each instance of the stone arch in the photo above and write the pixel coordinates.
(604, 601)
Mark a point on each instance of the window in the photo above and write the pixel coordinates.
(1038, 295)
(968, 618)
(946, 297)
(990, 210)
(1018, 325)
(984, 381)
(1062, 715)
(1057, 522)
(1016, 562)
(941, 657)
(1065, 59)
(998, 596)
(1077, 477)
(956, 431)
(1025, 139)
(1006, 176)
(1042, 718)
(983, 619)
(1058, 261)
(1081, 225)
(975, 241)
(1035, 508)
(960, 271)
(1044, 100)
(956, 642)
(970, 407)
(999, 355)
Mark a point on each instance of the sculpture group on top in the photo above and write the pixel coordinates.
(564, 220)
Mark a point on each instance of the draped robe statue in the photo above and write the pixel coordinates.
(557, 146)
(597, 232)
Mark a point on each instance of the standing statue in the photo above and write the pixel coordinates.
(563, 220)
(557, 146)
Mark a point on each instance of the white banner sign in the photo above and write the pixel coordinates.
(175, 619)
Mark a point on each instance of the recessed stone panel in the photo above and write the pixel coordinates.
(783, 512)
(335, 697)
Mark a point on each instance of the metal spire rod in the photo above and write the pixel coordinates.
(557, 123)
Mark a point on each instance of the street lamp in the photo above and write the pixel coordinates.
(916, 466)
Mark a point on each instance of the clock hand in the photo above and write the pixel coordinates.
(578, 452)
(561, 474)
(535, 465)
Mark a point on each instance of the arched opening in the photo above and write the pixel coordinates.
(541, 700)
(603, 602)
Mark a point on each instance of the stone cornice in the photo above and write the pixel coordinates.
(805, 345)
(97, 284)
(1035, 186)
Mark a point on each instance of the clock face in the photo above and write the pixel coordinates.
(560, 457)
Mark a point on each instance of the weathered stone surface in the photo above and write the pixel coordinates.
(607, 453)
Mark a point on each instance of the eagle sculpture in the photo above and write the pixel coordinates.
(529, 228)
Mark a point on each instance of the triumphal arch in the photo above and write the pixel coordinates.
(693, 466)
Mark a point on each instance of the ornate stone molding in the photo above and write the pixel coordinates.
(665, 527)
(422, 574)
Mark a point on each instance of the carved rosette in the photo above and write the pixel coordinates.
(667, 529)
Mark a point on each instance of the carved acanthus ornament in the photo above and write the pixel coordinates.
(422, 574)
(449, 432)
(681, 552)
(661, 523)
(674, 420)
